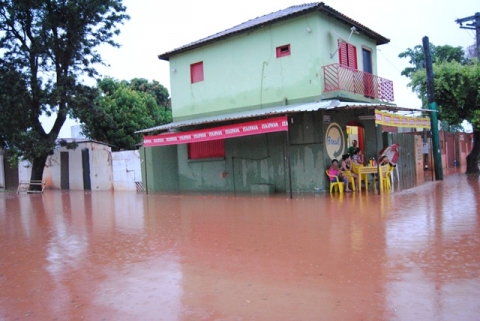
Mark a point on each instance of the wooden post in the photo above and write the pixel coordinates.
(433, 107)
(287, 138)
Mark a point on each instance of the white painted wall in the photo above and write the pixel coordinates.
(126, 170)
(101, 175)
(108, 171)
(24, 170)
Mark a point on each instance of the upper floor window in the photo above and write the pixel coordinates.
(367, 60)
(347, 54)
(196, 72)
(283, 51)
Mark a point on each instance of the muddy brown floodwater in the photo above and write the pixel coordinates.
(407, 255)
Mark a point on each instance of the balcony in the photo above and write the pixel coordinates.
(340, 77)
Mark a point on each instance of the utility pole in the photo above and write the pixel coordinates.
(437, 158)
(473, 24)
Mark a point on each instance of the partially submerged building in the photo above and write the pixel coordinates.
(268, 104)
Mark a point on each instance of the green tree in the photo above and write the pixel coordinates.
(439, 54)
(154, 88)
(122, 108)
(46, 46)
(457, 92)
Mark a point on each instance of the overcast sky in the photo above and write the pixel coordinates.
(156, 27)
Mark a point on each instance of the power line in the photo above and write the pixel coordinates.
(384, 57)
(472, 23)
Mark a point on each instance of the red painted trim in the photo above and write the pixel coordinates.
(341, 77)
(196, 72)
(263, 126)
(283, 51)
(208, 149)
(361, 140)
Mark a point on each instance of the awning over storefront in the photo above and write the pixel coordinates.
(262, 126)
(281, 110)
(272, 124)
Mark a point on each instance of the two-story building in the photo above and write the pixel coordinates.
(269, 102)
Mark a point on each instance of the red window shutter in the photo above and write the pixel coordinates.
(352, 56)
(208, 149)
(196, 72)
(342, 52)
(283, 51)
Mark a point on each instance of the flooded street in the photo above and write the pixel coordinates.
(409, 255)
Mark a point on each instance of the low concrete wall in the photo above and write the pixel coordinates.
(127, 175)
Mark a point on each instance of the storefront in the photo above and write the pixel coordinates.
(287, 147)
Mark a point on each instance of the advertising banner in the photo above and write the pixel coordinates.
(263, 126)
(383, 118)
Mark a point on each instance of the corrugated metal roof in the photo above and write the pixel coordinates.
(274, 17)
(290, 109)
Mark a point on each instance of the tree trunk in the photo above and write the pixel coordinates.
(472, 158)
(37, 171)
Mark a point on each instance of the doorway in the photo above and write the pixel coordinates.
(64, 170)
(86, 169)
(355, 131)
(368, 83)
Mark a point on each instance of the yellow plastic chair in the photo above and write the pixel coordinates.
(388, 178)
(335, 184)
(351, 180)
(361, 177)
(384, 177)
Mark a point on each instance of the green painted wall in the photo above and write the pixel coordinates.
(242, 72)
(249, 160)
(159, 168)
(259, 159)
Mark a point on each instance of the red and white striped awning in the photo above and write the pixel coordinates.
(268, 125)
(256, 127)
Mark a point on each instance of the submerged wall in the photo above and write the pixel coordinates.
(259, 159)
(126, 170)
(67, 172)
(159, 168)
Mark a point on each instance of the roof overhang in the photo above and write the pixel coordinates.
(280, 110)
(274, 17)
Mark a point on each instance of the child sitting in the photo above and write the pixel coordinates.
(357, 157)
(335, 171)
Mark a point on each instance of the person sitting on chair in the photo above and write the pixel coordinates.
(384, 160)
(357, 157)
(346, 167)
(334, 170)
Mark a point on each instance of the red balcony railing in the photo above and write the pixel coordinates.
(340, 77)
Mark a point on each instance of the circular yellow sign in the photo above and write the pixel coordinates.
(334, 141)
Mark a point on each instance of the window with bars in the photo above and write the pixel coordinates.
(208, 149)
(196, 72)
(347, 54)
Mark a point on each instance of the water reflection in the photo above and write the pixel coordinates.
(125, 256)
(432, 248)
